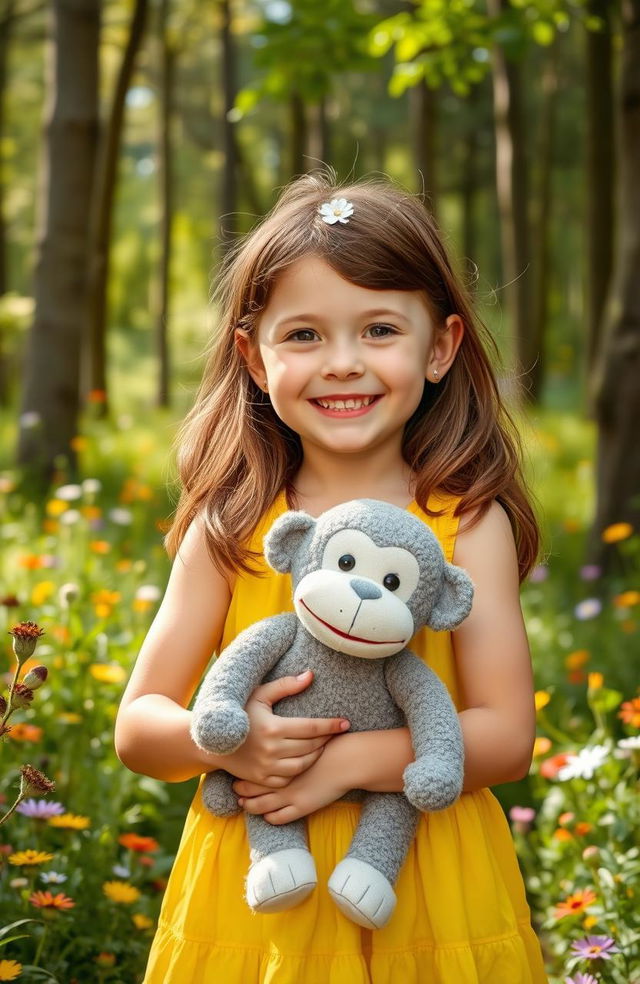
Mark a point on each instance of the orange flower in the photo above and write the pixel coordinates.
(630, 712)
(91, 512)
(617, 532)
(97, 396)
(576, 659)
(25, 732)
(627, 599)
(30, 561)
(135, 842)
(541, 746)
(595, 681)
(576, 676)
(575, 903)
(582, 828)
(562, 834)
(105, 959)
(566, 818)
(549, 768)
(100, 546)
(79, 443)
(45, 900)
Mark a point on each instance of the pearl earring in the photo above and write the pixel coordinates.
(436, 375)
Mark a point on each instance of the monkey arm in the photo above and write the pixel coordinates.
(434, 780)
(219, 722)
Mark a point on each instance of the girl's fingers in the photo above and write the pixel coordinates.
(270, 693)
(259, 804)
(290, 767)
(298, 746)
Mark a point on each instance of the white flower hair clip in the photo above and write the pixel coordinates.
(337, 210)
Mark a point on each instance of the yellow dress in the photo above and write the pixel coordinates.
(461, 916)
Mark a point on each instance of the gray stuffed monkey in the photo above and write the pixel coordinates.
(366, 577)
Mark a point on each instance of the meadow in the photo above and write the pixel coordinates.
(82, 869)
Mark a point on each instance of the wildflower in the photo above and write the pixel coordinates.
(541, 746)
(595, 947)
(78, 443)
(575, 903)
(97, 396)
(591, 853)
(68, 493)
(68, 593)
(627, 599)
(632, 743)
(104, 602)
(25, 732)
(595, 681)
(70, 821)
(149, 592)
(562, 834)
(29, 857)
(107, 672)
(52, 877)
(10, 601)
(25, 638)
(590, 572)
(120, 871)
(70, 517)
(100, 546)
(9, 970)
(582, 828)
(617, 532)
(589, 608)
(581, 979)
(135, 842)
(69, 717)
(18, 883)
(91, 486)
(630, 712)
(105, 959)
(39, 809)
(120, 516)
(46, 900)
(21, 696)
(140, 921)
(549, 768)
(121, 892)
(584, 764)
(56, 507)
(337, 210)
(33, 781)
(566, 818)
(539, 573)
(576, 659)
(35, 677)
(41, 592)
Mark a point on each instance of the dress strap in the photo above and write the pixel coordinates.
(445, 526)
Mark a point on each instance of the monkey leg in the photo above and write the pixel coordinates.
(282, 872)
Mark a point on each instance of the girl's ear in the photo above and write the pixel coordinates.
(446, 342)
(251, 355)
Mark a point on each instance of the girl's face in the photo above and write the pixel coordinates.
(344, 365)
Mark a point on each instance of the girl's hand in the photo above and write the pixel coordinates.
(279, 748)
(321, 784)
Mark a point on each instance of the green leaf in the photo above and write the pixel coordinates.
(543, 33)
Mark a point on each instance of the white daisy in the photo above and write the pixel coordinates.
(584, 764)
(632, 743)
(337, 210)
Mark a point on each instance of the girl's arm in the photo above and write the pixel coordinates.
(152, 727)
(494, 674)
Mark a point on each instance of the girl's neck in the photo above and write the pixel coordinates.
(325, 480)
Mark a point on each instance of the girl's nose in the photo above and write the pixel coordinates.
(343, 362)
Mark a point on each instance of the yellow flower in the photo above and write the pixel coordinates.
(541, 746)
(572, 525)
(91, 512)
(627, 599)
(42, 592)
(542, 698)
(9, 970)
(55, 507)
(576, 659)
(595, 681)
(124, 565)
(141, 921)
(589, 921)
(69, 717)
(70, 821)
(21, 858)
(120, 891)
(79, 443)
(141, 605)
(617, 532)
(107, 672)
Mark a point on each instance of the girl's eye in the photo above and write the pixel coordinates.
(302, 335)
(391, 582)
(347, 562)
(380, 331)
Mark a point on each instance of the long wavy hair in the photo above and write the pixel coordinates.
(234, 453)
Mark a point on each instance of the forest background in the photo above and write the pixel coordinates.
(137, 141)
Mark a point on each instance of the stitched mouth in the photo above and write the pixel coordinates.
(346, 635)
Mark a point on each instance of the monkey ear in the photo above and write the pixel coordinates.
(454, 602)
(283, 541)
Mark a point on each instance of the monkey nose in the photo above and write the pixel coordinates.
(365, 590)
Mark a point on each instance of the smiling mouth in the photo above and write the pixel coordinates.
(345, 635)
(346, 403)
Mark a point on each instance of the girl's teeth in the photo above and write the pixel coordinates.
(346, 404)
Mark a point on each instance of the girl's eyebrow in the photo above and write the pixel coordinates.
(317, 318)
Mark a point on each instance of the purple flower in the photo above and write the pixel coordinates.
(40, 809)
(595, 947)
(589, 608)
(590, 572)
(521, 817)
(539, 573)
(581, 979)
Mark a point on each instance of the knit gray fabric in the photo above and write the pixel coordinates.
(366, 577)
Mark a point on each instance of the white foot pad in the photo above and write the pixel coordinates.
(281, 880)
(362, 893)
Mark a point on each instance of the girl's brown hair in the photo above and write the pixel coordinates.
(235, 455)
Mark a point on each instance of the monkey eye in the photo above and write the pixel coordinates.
(347, 562)
(391, 582)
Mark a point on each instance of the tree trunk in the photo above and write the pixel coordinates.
(319, 135)
(165, 174)
(600, 174)
(102, 213)
(542, 239)
(469, 191)
(5, 31)
(229, 191)
(51, 386)
(618, 393)
(512, 189)
(424, 112)
(298, 144)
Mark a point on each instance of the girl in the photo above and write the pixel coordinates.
(348, 364)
